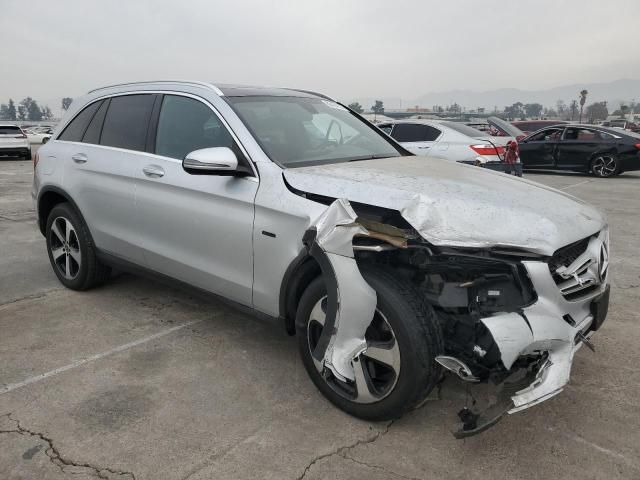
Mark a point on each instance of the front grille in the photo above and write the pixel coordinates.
(579, 269)
(565, 256)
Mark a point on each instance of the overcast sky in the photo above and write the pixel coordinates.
(345, 48)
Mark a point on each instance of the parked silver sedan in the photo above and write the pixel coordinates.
(447, 140)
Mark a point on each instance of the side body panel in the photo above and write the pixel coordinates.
(538, 154)
(577, 154)
(103, 187)
(286, 215)
(197, 228)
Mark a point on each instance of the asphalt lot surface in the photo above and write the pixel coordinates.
(138, 380)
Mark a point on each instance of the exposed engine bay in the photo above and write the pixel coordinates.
(509, 317)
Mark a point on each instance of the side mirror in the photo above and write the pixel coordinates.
(214, 160)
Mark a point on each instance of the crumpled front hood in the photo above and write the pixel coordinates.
(458, 205)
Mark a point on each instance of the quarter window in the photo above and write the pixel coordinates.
(413, 132)
(584, 135)
(186, 125)
(76, 128)
(92, 135)
(127, 121)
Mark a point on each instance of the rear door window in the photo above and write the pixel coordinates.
(75, 130)
(414, 132)
(127, 121)
(185, 125)
(584, 135)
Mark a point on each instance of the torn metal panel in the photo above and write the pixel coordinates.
(543, 328)
(351, 301)
(512, 335)
(456, 205)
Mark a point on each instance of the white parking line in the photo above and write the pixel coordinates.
(92, 358)
(576, 184)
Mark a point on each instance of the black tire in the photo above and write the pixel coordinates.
(418, 336)
(605, 166)
(90, 271)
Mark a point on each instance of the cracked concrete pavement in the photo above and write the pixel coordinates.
(225, 397)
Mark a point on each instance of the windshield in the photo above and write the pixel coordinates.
(465, 129)
(300, 131)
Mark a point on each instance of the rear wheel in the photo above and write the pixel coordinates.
(71, 251)
(397, 371)
(605, 166)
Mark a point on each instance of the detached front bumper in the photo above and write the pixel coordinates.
(554, 326)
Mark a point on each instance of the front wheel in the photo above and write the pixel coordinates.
(605, 166)
(398, 369)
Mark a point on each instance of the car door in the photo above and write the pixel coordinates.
(103, 145)
(539, 150)
(418, 138)
(195, 228)
(578, 145)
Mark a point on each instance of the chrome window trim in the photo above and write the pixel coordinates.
(163, 92)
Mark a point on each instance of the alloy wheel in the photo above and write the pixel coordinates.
(604, 166)
(65, 248)
(376, 370)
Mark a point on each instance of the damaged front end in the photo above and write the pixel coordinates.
(509, 317)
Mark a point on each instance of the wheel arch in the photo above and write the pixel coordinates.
(49, 197)
(300, 273)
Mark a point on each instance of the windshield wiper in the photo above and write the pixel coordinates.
(371, 157)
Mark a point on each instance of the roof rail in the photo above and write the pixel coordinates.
(188, 82)
(311, 92)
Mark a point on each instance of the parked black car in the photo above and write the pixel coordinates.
(604, 152)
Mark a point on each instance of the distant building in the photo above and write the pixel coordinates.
(418, 109)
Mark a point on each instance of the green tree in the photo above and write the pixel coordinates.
(561, 108)
(378, 107)
(356, 107)
(573, 109)
(624, 109)
(533, 110)
(66, 103)
(455, 108)
(583, 100)
(12, 110)
(515, 111)
(31, 108)
(4, 112)
(597, 111)
(22, 113)
(46, 112)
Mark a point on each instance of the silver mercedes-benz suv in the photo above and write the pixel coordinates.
(389, 268)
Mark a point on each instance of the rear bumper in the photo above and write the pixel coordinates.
(15, 152)
(629, 163)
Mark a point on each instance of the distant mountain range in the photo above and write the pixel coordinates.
(613, 92)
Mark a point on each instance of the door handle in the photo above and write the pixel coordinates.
(153, 171)
(79, 158)
(424, 147)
